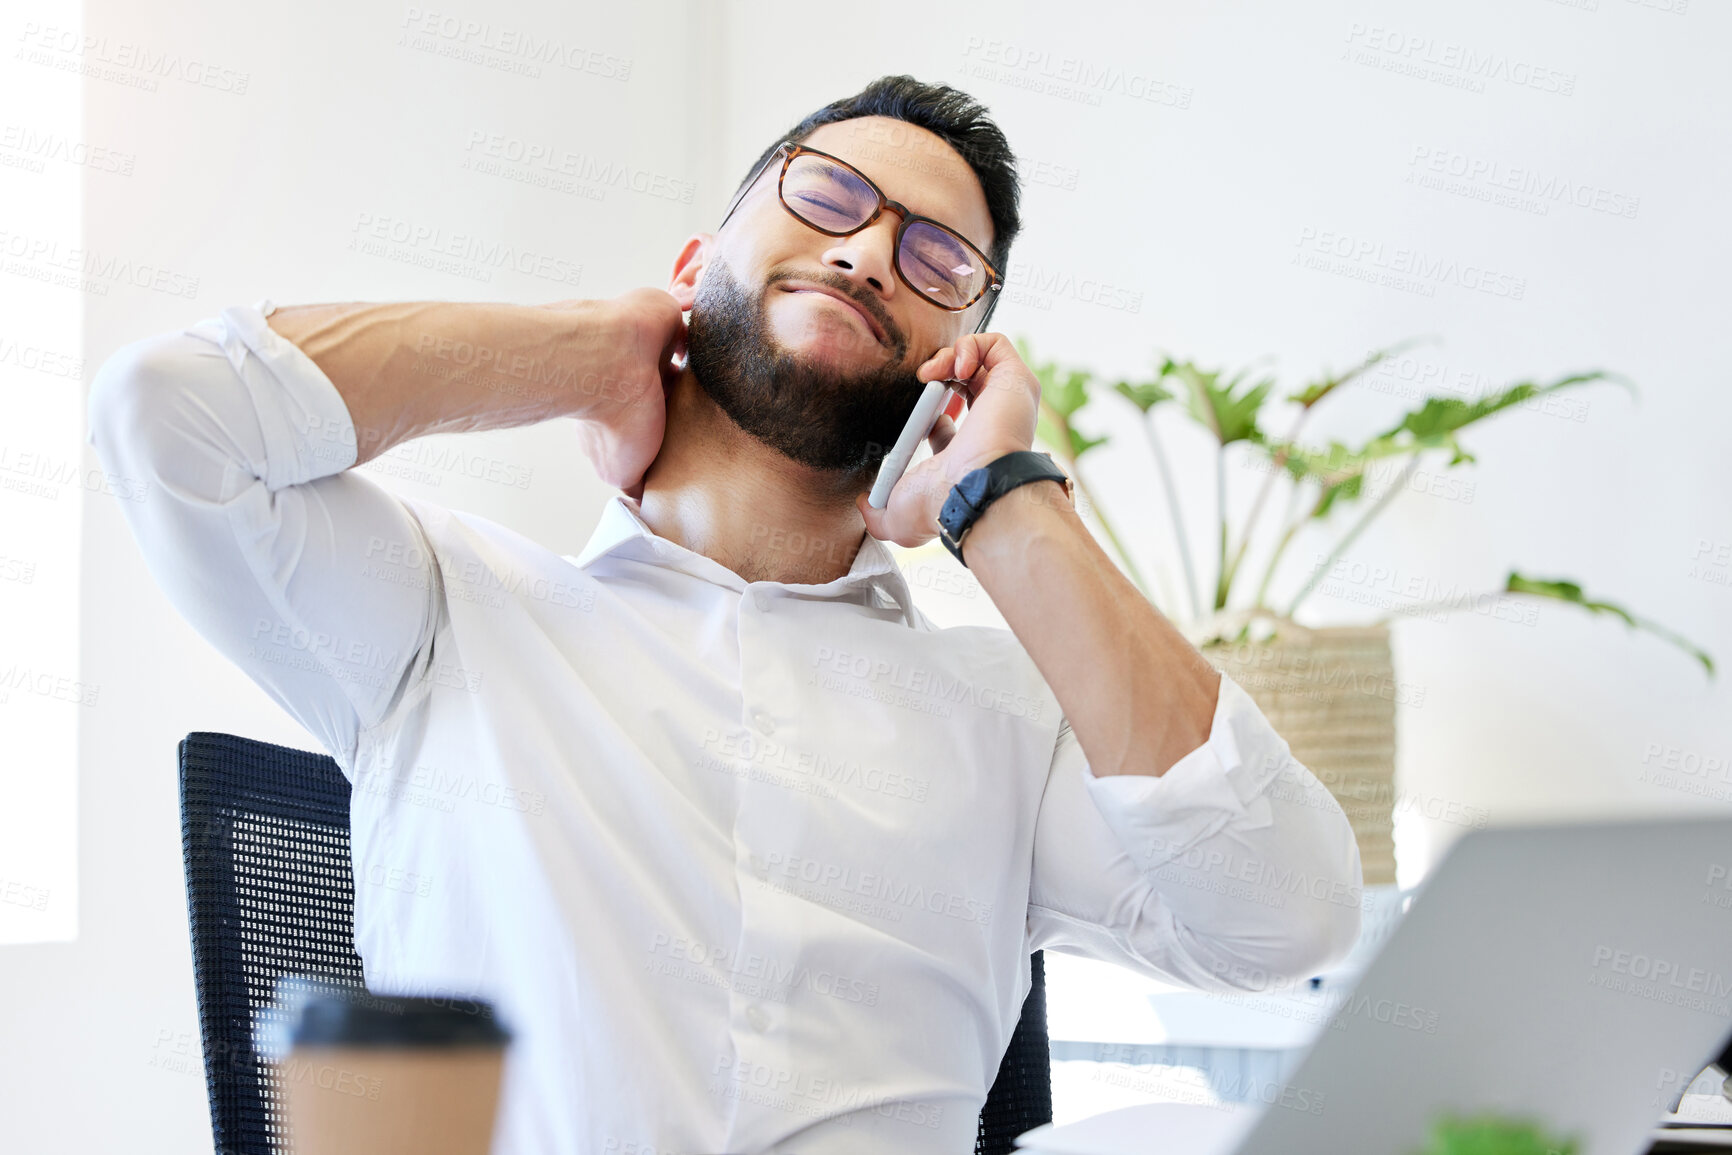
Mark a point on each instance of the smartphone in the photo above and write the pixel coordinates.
(919, 428)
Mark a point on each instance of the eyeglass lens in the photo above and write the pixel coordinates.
(934, 260)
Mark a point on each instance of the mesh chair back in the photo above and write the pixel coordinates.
(265, 836)
(1021, 1096)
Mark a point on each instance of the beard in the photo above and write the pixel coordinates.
(822, 416)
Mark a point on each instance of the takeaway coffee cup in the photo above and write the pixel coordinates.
(390, 1075)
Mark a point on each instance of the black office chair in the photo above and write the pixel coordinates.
(265, 834)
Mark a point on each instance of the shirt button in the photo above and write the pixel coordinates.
(765, 723)
(761, 600)
(757, 1018)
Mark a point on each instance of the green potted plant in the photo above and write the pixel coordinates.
(1331, 691)
(1492, 1134)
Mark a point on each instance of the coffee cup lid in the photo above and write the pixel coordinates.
(357, 1018)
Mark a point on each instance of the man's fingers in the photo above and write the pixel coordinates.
(968, 354)
(940, 365)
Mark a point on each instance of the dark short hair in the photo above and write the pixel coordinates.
(960, 120)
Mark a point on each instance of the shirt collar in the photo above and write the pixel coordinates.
(622, 531)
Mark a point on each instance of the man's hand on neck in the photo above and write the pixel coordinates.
(720, 492)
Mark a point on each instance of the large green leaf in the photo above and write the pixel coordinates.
(1081, 444)
(1318, 390)
(1145, 395)
(1331, 465)
(1062, 393)
(1568, 591)
(1048, 433)
(1069, 394)
(1222, 409)
(1432, 426)
(1338, 470)
(1066, 393)
(1054, 429)
(1349, 489)
(1435, 423)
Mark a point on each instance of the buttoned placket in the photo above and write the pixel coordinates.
(767, 950)
(772, 800)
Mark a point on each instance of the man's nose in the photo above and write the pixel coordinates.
(868, 256)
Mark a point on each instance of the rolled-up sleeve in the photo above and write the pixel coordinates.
(1234, 870)
(315, 581)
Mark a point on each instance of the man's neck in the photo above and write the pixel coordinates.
(720, 492)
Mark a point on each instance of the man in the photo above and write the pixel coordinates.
(749, 853)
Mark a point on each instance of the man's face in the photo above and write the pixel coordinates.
(798, 369)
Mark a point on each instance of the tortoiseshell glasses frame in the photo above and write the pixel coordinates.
(790, 151)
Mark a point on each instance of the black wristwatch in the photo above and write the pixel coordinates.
(979, 488)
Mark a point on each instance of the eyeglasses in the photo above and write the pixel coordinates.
(830, 195)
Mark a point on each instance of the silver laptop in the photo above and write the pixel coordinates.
(1579, 975)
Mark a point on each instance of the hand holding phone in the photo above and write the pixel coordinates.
(919, 428)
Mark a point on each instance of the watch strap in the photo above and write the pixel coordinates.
(980, 487)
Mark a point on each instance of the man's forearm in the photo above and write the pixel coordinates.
(412, 368)
(1137, 694)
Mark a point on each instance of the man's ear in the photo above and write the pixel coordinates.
(689, 268)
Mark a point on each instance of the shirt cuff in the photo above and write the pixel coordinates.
(1220, 782)
(307, 430)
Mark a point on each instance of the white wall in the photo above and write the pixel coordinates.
(258, 194)
(1259, 131)
(43, 483)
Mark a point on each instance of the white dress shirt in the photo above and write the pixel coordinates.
(746, 866)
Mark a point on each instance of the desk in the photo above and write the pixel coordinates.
(1120, 1039)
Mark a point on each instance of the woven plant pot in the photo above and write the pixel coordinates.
(1331, 693)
